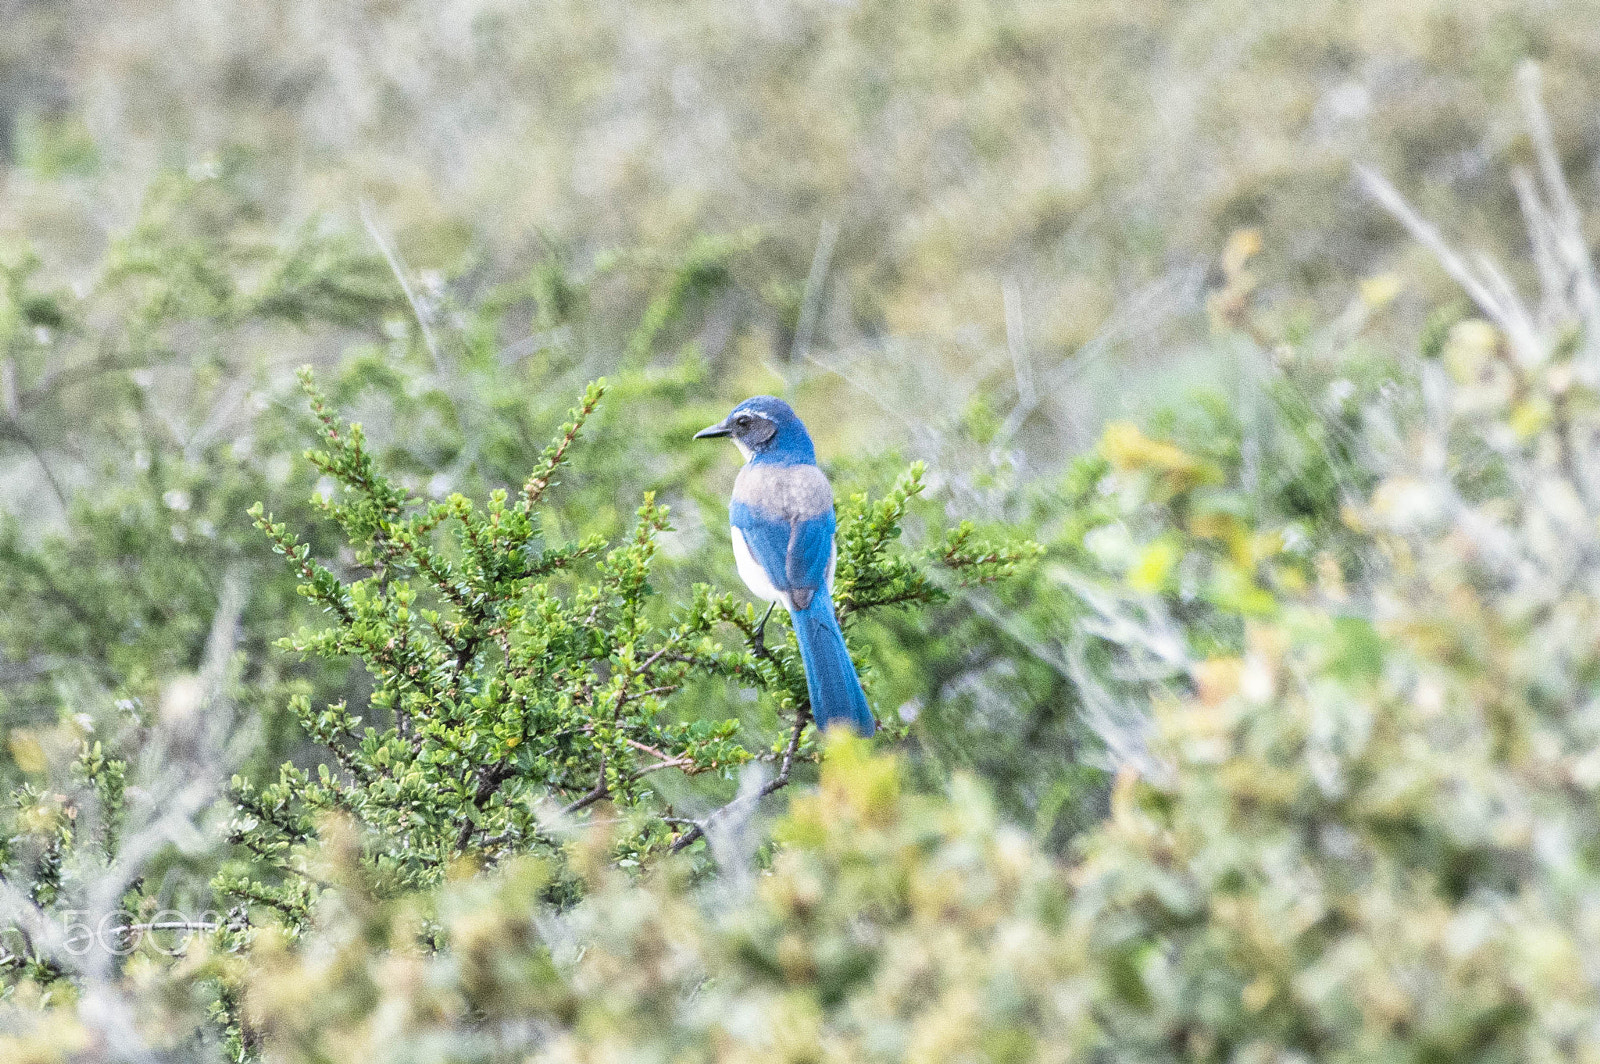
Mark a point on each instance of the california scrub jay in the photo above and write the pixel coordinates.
(782, 522)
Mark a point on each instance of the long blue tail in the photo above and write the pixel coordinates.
(831, 678)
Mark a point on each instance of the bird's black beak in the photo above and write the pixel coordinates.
(711, 432)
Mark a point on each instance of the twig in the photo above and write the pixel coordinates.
(1021, 368)
(540, 480)
(14, 427)
(801, 718)
(392, 257)
(811, 299)
(490, 778)
(601, 789)
(684, 763)
(652, 751)
(1509, 316)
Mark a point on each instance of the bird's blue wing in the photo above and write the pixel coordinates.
(794, 554)
(810, 547)
(766, 539)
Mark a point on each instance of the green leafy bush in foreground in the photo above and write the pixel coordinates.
(891, 926)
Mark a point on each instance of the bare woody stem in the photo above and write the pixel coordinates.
(781, 780)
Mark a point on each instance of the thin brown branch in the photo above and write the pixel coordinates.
(489, 778)
(652, 751)
(781, 780)
(601, 789)
(684, 763)
(650, 662)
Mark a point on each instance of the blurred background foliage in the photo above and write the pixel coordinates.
(917, 159)
(1283, 748)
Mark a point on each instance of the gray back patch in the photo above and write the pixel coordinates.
(784, 492)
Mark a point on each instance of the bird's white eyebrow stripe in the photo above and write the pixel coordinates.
(784, 492)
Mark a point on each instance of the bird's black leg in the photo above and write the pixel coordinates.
(761, 629)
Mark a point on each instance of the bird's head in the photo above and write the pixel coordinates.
(766, 429)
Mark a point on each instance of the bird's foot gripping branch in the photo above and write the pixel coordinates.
(516, 678)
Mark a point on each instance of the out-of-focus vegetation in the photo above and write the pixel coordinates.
(1091, 157)
(1279, 746)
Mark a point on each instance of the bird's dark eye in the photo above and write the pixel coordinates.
(744, 421)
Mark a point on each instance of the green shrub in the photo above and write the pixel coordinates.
(890, 926)
(518, 680)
